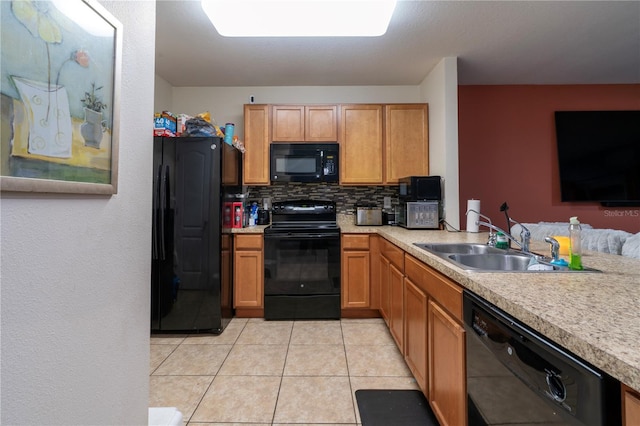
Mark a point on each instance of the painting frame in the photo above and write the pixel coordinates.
(99, 172)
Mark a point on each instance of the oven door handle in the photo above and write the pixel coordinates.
(298, 235)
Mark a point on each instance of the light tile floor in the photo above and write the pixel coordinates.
(275, 372)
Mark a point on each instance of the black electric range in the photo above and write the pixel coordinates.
(302, 261)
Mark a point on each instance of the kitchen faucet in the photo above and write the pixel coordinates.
(492, 236)
(524, 245)
(525, 236)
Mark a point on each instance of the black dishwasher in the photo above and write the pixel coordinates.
(516, 376)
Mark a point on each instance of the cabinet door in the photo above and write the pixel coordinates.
(230, 172)
(406, 141)
(256, 142)
(630, 406)
(447, 381)
(385, 289)
(396, 285)
(361, 144)
(321, 123)
(355, 279)
(415, 332)
(288, 123)
(356, 266)
(248, 272)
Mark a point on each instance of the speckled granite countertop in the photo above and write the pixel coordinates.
(594, 315)
(257, 229)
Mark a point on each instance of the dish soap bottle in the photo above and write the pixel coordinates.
(501, 241)
(575, 250)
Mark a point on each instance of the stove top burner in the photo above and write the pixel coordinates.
(303, 225)
(303, 215)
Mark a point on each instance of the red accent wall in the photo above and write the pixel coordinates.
(507, 151)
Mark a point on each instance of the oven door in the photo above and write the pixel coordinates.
(302, 275)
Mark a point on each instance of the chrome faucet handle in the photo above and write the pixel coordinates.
(525, 235)
(493, 239)
(555, 247)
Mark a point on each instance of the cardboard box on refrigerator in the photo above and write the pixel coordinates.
(164, 124)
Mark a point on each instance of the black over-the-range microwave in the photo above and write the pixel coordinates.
(304, 162)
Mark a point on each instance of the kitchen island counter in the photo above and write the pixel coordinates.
(594, 315)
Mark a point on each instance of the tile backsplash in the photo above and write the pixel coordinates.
(345, 197)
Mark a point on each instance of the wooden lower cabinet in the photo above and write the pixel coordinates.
(415, 332)
(630, 406)
(248, 275)
(447, 372)
(385, 289)
(355, 271)
(435, 340)
(391, 288)
(396, 317)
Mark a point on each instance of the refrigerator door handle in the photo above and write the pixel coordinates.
(164, 205)
(154, 216)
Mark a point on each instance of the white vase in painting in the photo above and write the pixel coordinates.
(92, 128)
(47, 109)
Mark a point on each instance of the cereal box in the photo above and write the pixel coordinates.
(164, 124)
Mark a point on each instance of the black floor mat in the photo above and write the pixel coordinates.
(394, 408)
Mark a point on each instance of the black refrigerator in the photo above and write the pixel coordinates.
(189, 289)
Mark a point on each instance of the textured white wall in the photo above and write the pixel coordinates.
(163, 95)
(440, 90)
(75, 275)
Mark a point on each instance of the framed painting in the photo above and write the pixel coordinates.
(61, 63)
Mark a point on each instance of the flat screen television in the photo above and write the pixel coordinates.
(599, 156)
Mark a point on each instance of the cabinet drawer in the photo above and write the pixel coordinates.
(416, 271)
(394, 254)
(248, 242)
(444, 291)
(355, 242)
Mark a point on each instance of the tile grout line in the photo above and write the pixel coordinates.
(354, 403)
(284, 364)
(214, 376)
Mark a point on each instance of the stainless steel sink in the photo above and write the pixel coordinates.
(483, 258)
(462, 248)
(493, 262)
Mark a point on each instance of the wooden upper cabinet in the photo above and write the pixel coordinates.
(321, 123)
(305, 123)
(361, 144)
(288, 123)
(256, 143)
(406, 141)
(230, 172)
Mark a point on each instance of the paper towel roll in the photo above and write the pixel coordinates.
(472, 217)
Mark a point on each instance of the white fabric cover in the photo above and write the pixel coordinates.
(602, 240)
(631, 247)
